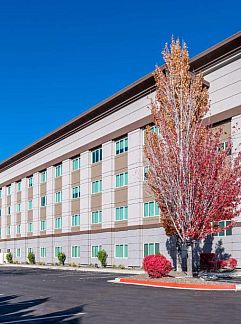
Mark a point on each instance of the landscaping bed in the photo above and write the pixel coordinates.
(177, 277)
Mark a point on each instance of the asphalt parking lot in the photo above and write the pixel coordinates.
(55, 296)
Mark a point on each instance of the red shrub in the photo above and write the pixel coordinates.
(207, 261)
(156, 266)
(230, 263)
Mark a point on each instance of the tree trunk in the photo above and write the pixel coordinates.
(189, 259)
(178, 254)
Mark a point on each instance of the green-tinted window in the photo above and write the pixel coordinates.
(8, 230)
(96, 217)
(43, 252)
(9, 190)
(121, 179)
(18, 208)
(76, 163)
(30, 204)
(1, 192)
(97, 155)
(75, 220)
(43, 201)
(19, 186)
(30, 227)
(76, 192)
(43, 225)
(75, 251)
(43, 176)
(96, 186)
(121, 213)
(121, 145)
(151, 209)
(58, 222)
(58, 197)
(227, 232)
(18, 252)
(151, 248)
(58, 170)
(121, 251)
(30, 181)
(57, 250)
(18, 229)
(94, 250)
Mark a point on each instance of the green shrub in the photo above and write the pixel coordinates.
(31, 257)
(114, 266)
(121, 266)
(102, 257)
(61, 258)
(9, 257)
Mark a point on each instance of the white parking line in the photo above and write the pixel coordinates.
(43, 318)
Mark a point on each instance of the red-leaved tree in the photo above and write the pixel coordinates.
(195, 183)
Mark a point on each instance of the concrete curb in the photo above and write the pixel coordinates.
(100, 270)
(177, 285)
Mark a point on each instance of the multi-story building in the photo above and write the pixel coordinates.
(82, 187)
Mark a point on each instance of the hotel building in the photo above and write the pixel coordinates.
(82, 187)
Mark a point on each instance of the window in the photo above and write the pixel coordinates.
(19, 186)
(75, 220)
(18, 208)
(43, 252)
(151, 248)
(18, 252)
(58, 170)
(224, 146)
(0, 231)
(43, 176)
(75, 251)
(30, 204)
(145, 173)
(30, 181)
(18, 229)
(0, 212)
(29, 250)
(121, 251)
(58, 197)
(94, 250)
(58, 222)
(96, 186)
(121, 180)
(153, 129)
(57, 250)
(121, 213)
(75, 192)
(227, 232)
(1, 192)
(151, 208)
(96, 217)
(43, 225)
(30, 227)
(43, 201)
(121, 145)
(9, 210)
(76, 163)
(8, 190)
(97, 155)
(8, 231)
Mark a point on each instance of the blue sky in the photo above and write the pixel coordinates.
(58, 58)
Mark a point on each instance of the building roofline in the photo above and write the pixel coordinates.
(135, 90)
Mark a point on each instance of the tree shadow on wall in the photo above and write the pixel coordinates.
(15, 311)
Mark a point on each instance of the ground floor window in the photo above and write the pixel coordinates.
(57, 250)
(43, 252)
(75, 251)
(121, 251)
(151, 248)
(94, 250)
(18, 252)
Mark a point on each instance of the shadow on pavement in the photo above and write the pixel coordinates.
(13, 311)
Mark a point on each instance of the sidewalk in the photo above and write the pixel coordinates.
(83, 269)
